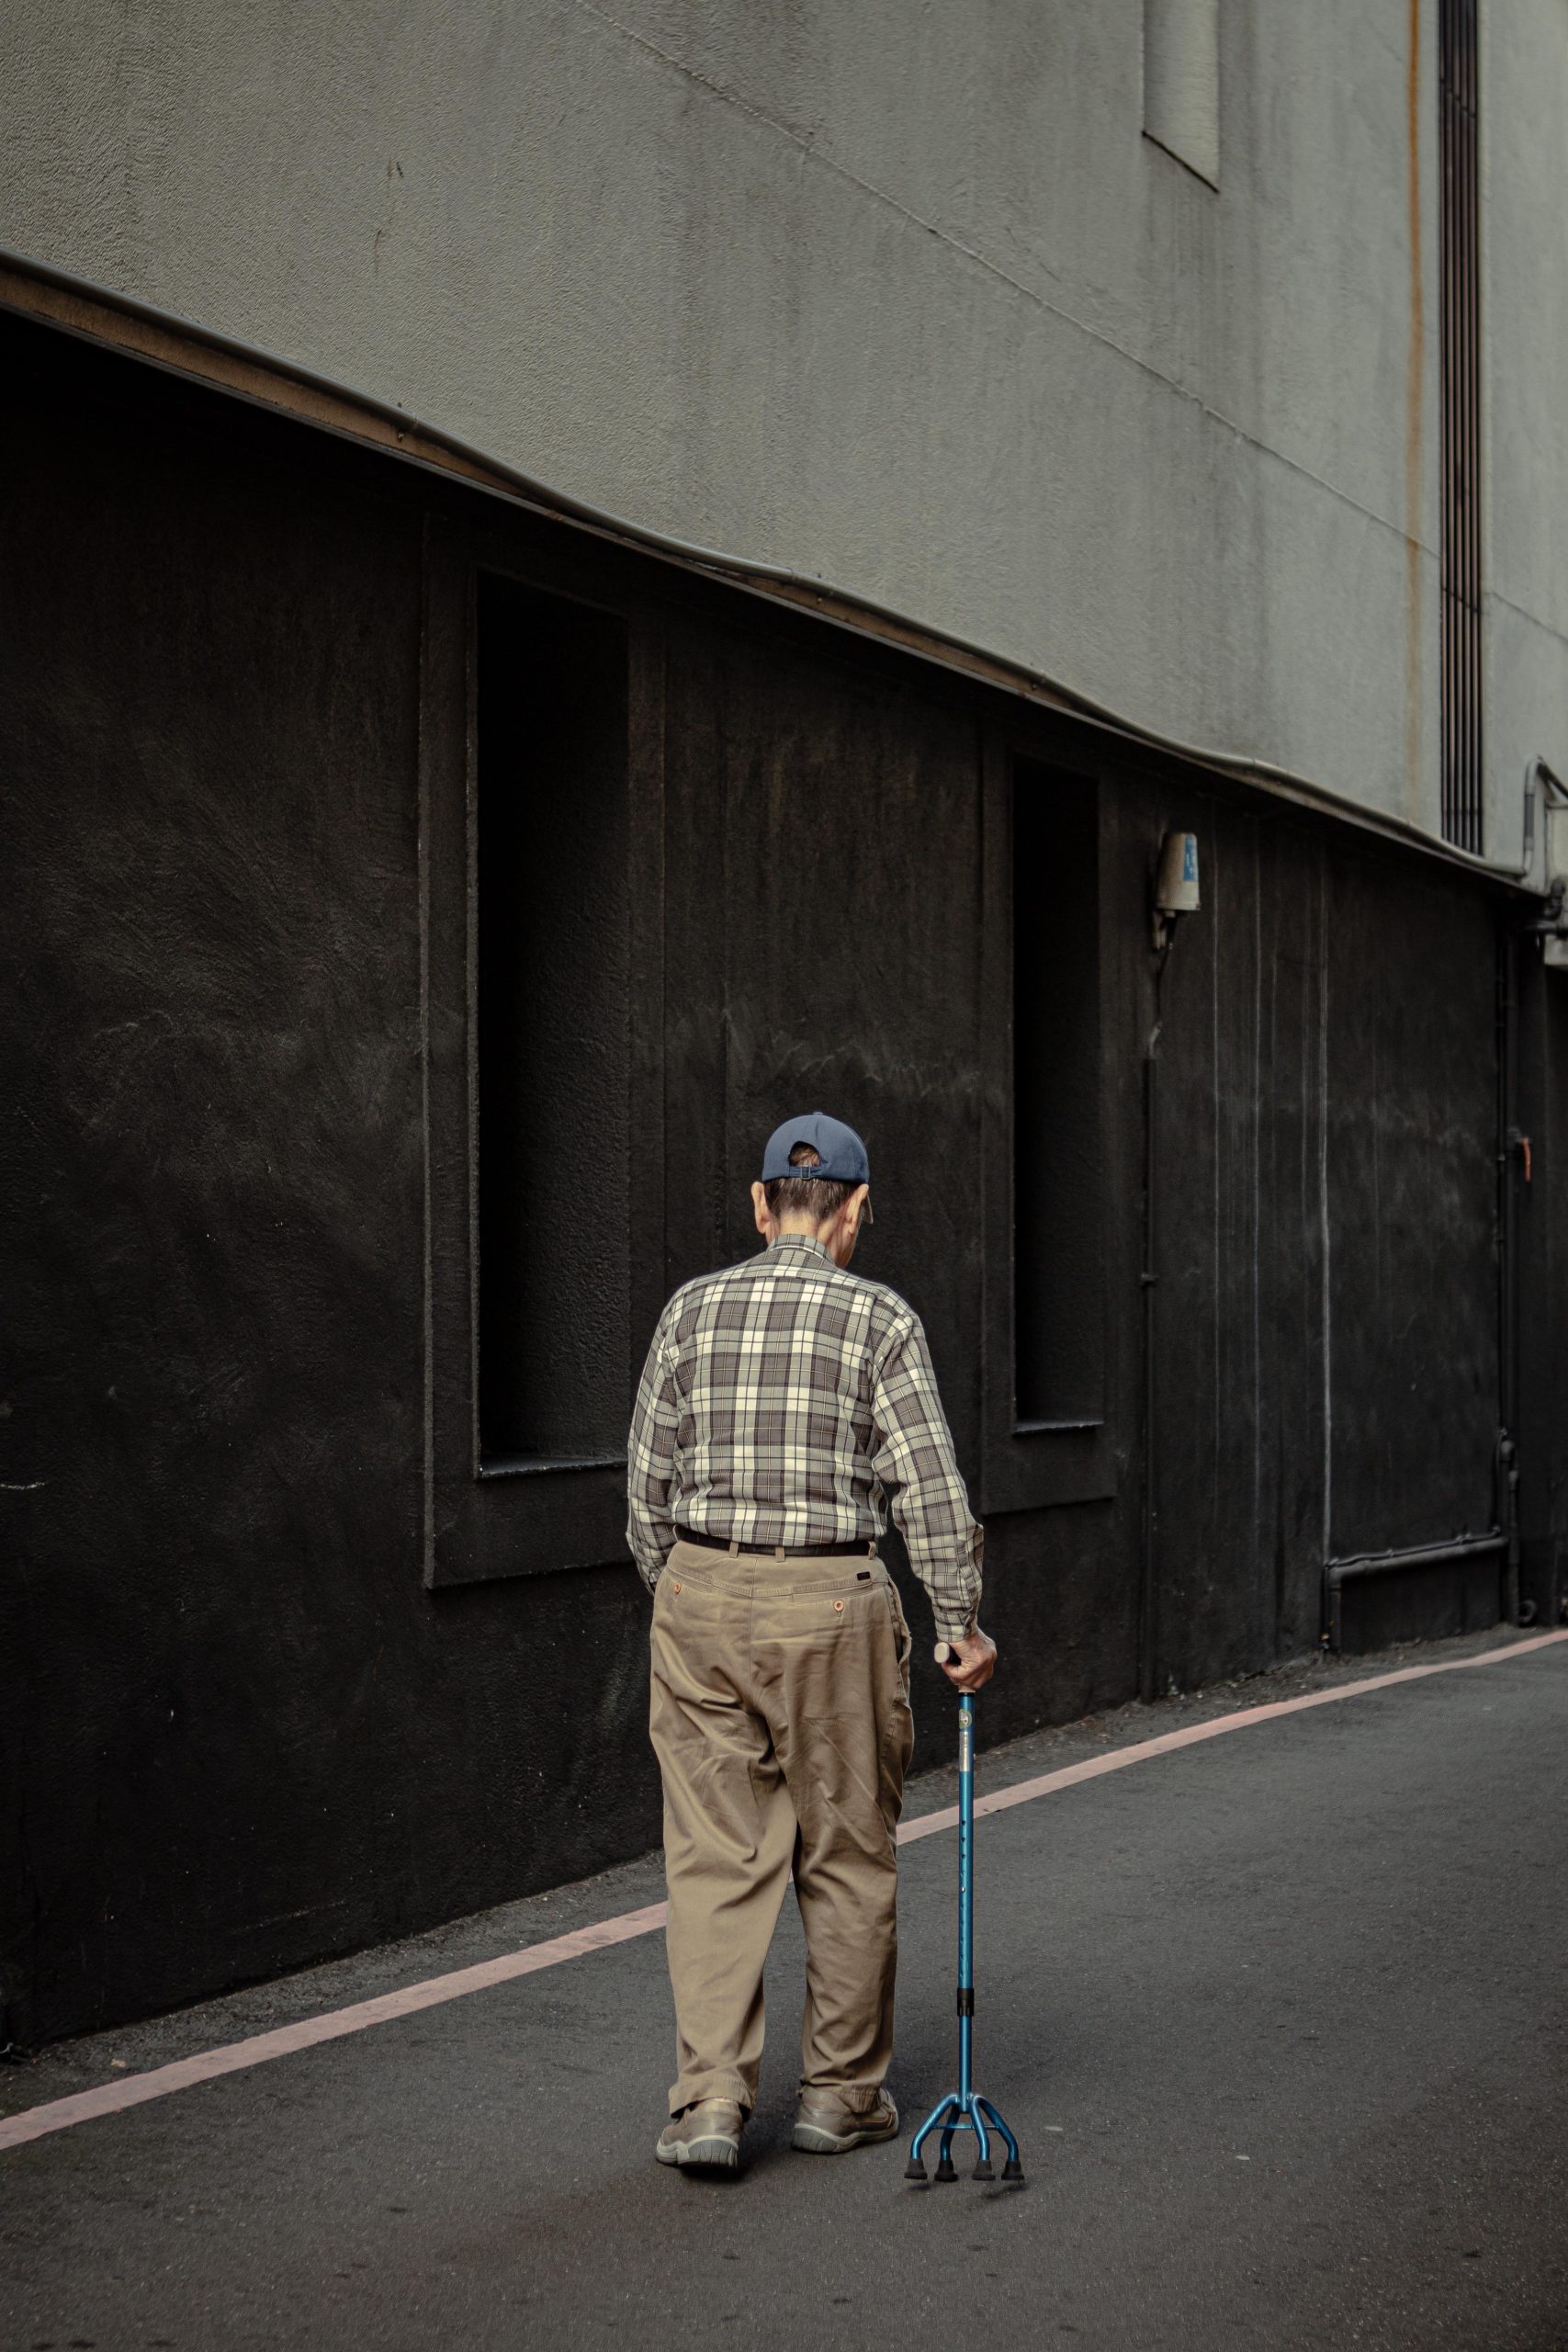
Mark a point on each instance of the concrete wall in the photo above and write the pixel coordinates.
(1525, 418)
(903, 299)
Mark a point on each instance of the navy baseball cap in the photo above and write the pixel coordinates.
(839, 1149)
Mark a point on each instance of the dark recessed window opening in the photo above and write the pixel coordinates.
(1461, 349)
(551, 843)
(1058, 1222)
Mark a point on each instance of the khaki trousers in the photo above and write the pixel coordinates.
(781, 1721)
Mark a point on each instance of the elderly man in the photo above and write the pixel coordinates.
(782, 1401)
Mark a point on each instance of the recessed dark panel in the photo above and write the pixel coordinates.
(1058, 1174)
(553, 1028)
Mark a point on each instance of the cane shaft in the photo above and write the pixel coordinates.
(963, 2110)
(966, 1897)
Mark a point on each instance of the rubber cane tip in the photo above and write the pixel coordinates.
(983, 2170)
(914, 2169)
(1012, 2174)
(944, 2170)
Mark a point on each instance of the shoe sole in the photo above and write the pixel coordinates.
(814, 2139)
(707, 2156)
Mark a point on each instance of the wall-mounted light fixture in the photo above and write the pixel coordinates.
(1175, 885)
(1554, 946)
(1551, 927)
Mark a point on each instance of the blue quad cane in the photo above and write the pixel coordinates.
(963, 2110)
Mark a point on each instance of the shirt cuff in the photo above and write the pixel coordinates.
(957, 1629)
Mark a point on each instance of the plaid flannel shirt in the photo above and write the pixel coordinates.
(784, 1401)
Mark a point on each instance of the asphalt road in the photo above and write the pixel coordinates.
(1278, 2019)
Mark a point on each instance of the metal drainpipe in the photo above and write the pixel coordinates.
(1509, 1142)
(1148, 1595)
(1339, 1573)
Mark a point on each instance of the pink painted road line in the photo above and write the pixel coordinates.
(111, 2098)
(1023, 1791)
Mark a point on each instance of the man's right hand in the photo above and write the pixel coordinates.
(970, 1662)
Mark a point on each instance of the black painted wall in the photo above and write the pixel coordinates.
(254, 1708)
(1542, 1109)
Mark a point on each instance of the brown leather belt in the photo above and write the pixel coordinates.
(865, 1550)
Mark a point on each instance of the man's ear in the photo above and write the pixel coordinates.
(767, 1224)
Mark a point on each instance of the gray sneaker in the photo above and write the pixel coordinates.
(825, 2127)
(707, 2135)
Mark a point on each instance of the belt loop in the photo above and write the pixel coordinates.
(779, 1552)
(735, 1551)
(870, 1549)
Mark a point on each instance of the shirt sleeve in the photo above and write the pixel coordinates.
(650, 1458)
(914, 1462)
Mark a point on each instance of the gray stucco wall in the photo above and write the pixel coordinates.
(1525, 416)
(903, 299)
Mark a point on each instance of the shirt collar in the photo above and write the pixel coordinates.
(800, 1241)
